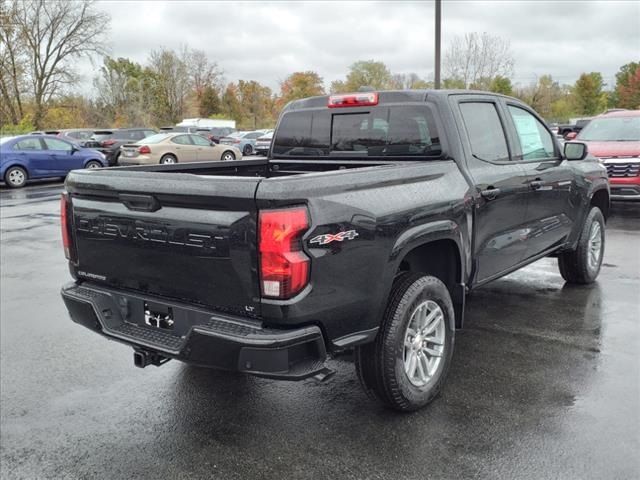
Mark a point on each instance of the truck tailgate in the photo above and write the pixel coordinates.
(144, 232)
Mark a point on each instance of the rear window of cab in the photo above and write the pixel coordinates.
(401, 130)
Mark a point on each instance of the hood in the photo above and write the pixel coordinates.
(613, 149)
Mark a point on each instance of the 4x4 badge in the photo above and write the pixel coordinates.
(334, 237)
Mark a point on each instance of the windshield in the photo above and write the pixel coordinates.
(5, 140)
(403, 130)
(613, 129)
(157, 138)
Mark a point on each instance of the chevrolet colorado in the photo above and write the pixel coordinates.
(372, 217)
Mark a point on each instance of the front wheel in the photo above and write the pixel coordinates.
(582, 265)
(228, 156)
(93, 164)
(247, 150)
(16, 177)
(405, 367)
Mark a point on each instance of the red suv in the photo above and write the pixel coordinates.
(615, 138)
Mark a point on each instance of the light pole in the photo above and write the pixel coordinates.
(437, 72)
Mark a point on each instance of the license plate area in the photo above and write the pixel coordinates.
(158, 315)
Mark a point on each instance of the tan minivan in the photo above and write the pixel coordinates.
(174, 148)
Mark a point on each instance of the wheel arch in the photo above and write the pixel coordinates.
(436, 250)
(92, 159)
(15, 164)
(600, 199)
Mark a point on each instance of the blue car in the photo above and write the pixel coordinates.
(40, 156)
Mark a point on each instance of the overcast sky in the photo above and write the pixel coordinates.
(265, 41)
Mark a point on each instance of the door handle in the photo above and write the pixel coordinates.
(536, 184)
(490, 193)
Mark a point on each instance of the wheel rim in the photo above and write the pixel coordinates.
(227, 157)
(16, 177)
(595, 245)
(424, 343)
(93, 165)
(169, 160)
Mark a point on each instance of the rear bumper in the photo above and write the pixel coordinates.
(200, 337)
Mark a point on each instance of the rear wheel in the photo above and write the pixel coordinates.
(228, 155)
(247, 150)
(16, 177)
(582, 265)
(405, 367)
(93, 164)
(168, 159)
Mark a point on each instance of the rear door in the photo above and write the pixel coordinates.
(176, 236)
(500, 186)
(552, 195)
(35, 155)
(185, 150)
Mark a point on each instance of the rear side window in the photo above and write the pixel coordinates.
(28, 144)
(485, 131)
(182, 140)
(404, 130)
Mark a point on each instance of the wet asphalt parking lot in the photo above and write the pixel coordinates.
(545, 383)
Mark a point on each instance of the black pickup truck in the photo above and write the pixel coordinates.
(372, 217)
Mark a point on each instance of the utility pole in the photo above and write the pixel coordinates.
(438, 15)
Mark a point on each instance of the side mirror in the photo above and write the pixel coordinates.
(74, 149)
(575, 151)
(570, 136)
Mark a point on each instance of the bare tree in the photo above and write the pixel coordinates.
(204, 73)
(477, 58)
(51, 34)
(172, 81)
(12, 67)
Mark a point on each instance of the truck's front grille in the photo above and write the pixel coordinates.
(623, 169)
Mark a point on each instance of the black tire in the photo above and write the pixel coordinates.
(168, 159)
(227, 156)
(93, 164)
(579, 265)
(381, 365)
(16, 177)
(247, 150)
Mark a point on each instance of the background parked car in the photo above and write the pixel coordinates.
(615, 139)
(110, 141)
(41, 156)
(244, 141)
(78, 135)
(263, 144)
(174, 148)
(215, 133)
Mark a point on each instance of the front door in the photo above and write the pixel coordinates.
(500, 187)
(61, 153)
(553, 198)
(205, 152)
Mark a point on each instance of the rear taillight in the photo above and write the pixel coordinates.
(107, 143)
(235, 140)
(65, 223)
(284, 267)
(144, 149)
(353, 100)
